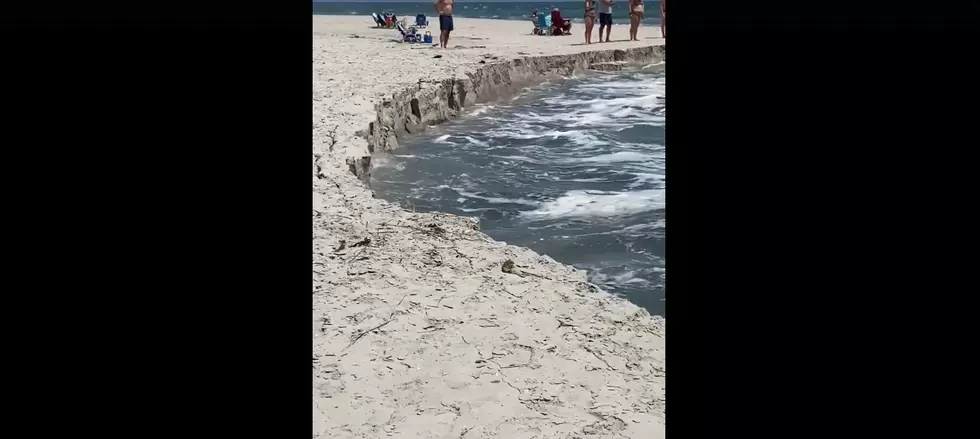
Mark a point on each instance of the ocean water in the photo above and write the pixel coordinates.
(574, 10)
(573, 168)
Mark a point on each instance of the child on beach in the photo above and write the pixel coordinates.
(589, 20)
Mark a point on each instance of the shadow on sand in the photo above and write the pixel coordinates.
(594, 42)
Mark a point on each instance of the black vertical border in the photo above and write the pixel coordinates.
(793, 218)
(166, 146)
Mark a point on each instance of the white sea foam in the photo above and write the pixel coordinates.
(442, 139)
(583, 203)
(580, 180)
(643, 178)
(611, 112)
(476, 142)
(385, 161)
(611, 281)
(577, 137)
(621, 156)
(610, 106)
(491, 200)
(635, 229)
(481, 110)
(519, 158)
(625, 112)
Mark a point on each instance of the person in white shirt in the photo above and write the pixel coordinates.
(605, 18)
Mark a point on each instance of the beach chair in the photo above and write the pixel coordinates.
(377, 19)
(409, 35)
(389, 19)
(560, 25)
(544, 25)
(421, 21)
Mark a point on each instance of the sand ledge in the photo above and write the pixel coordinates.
(417, 329)
(412, 109)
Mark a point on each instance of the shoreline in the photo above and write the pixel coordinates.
(421, 323)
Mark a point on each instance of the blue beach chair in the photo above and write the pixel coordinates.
(544, 25)
(421, 21)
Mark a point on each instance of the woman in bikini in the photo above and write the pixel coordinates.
(589, 20)
(636, 15)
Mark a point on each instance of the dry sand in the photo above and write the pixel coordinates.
(420, 328)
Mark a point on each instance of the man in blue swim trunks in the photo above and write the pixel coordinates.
(445, 10)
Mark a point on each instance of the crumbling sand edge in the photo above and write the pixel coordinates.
(410, 110)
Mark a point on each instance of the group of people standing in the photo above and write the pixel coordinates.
(605, 8)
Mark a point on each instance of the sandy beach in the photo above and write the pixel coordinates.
(424, 327)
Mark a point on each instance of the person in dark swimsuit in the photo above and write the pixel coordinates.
(589, 20)
(445, 10)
